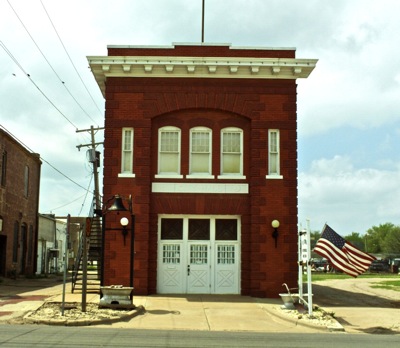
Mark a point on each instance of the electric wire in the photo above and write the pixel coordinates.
(48, 163)
(47, 61)
(64, 205)
(87, 192)
(33, 82)
(70, 59)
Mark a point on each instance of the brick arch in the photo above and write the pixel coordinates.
(245, 105)
(205, 117)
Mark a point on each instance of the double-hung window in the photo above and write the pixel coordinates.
(273, 154)
(127, 153)
(169, 155)
(200, 152)
(231, 153)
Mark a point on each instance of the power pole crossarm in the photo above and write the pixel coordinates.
(93, 145)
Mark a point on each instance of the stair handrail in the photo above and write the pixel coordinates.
(78, 260)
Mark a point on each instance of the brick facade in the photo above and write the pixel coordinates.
(19, 203)
(254, 105)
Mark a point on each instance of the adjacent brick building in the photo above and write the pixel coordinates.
(204, 138)
(19, 203)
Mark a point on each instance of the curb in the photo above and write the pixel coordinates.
(335, 327)
(83, 322)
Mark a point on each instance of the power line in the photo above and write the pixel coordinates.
(48, 163)
(30, 79)
(70, 59)
(47, 61)
(64, 205)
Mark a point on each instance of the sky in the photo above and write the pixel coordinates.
(348, 108)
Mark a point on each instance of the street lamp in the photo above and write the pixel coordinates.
(118, 206)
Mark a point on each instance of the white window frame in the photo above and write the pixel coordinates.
(127, 154)
(192, 154)
(177, 173)
(238, 175)
(274, 154)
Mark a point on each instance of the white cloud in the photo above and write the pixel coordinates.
(352, 200)
(355, 86)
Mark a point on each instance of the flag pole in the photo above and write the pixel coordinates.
(309, 280)
(202, 23)
(300, 263)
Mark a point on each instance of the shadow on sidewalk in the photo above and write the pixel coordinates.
(326, 296)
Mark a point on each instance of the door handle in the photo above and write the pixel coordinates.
(188, 270)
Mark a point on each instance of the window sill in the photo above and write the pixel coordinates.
(168, 176)
(274, 177)
(232, 177)
(126, 175)
(200, 176)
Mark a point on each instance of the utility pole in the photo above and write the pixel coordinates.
(87, 227)
(93, 145)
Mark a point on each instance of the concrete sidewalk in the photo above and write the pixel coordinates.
(180, 312)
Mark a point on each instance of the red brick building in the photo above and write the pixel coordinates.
(19, 204)
(204, 138)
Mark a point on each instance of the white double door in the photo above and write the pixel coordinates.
(198, 266)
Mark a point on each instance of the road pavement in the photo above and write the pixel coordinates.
(357, 307)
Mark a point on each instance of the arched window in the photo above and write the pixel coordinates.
(15, 242)
(169, 152)
(231, 152)
(200, 151)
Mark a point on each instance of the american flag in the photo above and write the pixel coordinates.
(341, 254)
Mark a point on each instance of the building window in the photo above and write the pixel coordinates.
(30, 244)
(200, 152)
(169, 156)
(3, 168)
(15, 242)
(127, 153)
(171, 229)
(273, 154)
(199, 229)
(231, 153)
(26, 181)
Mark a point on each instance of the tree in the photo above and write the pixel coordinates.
(357, 240)
(375, 237)
(391, 243)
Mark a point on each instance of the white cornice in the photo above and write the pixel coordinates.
(198, 67)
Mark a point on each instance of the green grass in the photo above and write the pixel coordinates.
(389, 281)
(388, 284)
(330, 276)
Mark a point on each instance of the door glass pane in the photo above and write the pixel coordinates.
(198, 254)
(199, 229)
(226, 229)
(226, 254)
(171, 253)
(171, 228)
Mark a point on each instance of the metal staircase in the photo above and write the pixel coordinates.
(94, 253)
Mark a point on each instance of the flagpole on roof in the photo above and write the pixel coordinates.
(202, 23)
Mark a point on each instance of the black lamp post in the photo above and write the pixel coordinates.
(118, 206)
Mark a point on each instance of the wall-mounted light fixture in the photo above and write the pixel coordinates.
(275, 233)
(124, 222)
(118, 206)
